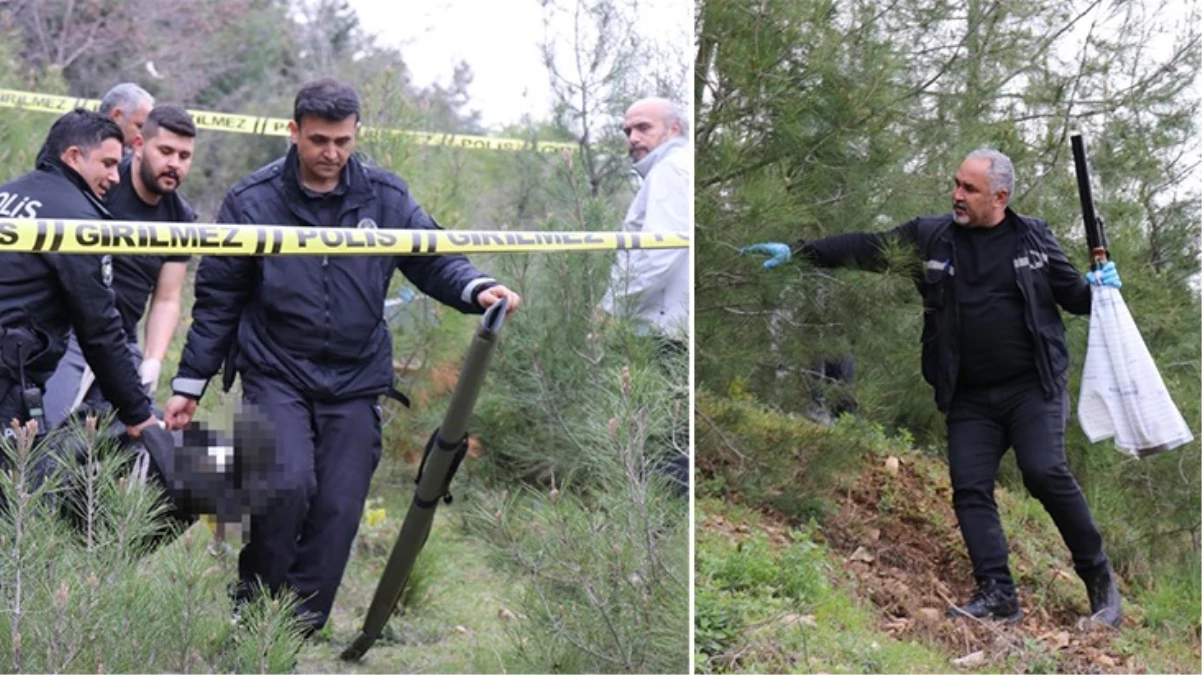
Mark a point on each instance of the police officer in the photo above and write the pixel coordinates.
(44, 296)
(149, 191)
(310, 341)
(994, 350)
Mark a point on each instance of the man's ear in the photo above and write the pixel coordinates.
(294, 130)
(73, 157)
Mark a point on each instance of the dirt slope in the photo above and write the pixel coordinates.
(898, 535)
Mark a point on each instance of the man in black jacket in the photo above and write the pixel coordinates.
(44, 296)
(148, 191)
(995, 352)
(310, 341)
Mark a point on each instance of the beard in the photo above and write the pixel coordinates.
(151, 179)
(962, 218)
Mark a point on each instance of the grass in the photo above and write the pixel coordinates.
(774, 594)
(457, 620)
(768, 603)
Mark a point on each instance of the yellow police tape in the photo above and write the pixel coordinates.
(45, 235)
(275, 126)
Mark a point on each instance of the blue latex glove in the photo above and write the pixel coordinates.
(1109, 276)
(779, 254)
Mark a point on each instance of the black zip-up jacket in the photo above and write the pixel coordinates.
(46, 295)
(314, 322)
(1044, 275)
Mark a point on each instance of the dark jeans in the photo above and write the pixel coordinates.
(981, 426)
(327, 453)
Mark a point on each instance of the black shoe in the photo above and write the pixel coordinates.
(1105, 605)
(990, 601)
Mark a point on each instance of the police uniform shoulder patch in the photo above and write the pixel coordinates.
(106, 270)
(367, 224)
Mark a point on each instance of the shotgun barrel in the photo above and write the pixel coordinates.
(1095, 229)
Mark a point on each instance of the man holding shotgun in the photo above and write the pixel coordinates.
(994, 349)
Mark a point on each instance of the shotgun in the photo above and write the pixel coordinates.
(444, 452)
(1095, 229)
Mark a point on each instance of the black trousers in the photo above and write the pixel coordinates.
(982, 424)
(327, 453)
(11, 406)
(13, 409)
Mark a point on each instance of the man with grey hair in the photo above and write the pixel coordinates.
(128, 105)
(993, 348)
(650, 288)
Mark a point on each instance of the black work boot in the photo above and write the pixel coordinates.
(990, 601)
(1105, 605)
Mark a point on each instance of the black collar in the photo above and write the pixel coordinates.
(354, 187)
(54, 165)
(292, 178)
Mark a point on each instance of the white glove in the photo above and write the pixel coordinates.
(149, 371)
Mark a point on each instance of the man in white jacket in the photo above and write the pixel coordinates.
(651, 287)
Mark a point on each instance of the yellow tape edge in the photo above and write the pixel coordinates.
(277, 126)
(98, 237)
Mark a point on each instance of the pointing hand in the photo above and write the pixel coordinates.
(778, 254)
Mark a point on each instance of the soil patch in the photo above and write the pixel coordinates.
(899, 537)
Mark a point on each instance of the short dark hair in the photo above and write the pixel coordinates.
(328, 99)
(170, 117)
(82, 128)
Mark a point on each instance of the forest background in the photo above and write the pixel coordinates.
(570, 418)
(817, 118)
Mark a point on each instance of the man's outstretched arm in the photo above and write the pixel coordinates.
(859, 250)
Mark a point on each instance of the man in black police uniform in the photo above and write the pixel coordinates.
(148, 191)
(310, 341)
(44, 296)
(995, 352)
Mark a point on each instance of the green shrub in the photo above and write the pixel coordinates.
(84, 591)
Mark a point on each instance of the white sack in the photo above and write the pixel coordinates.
(1122, 393)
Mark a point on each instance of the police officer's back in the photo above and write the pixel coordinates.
(43, 296)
